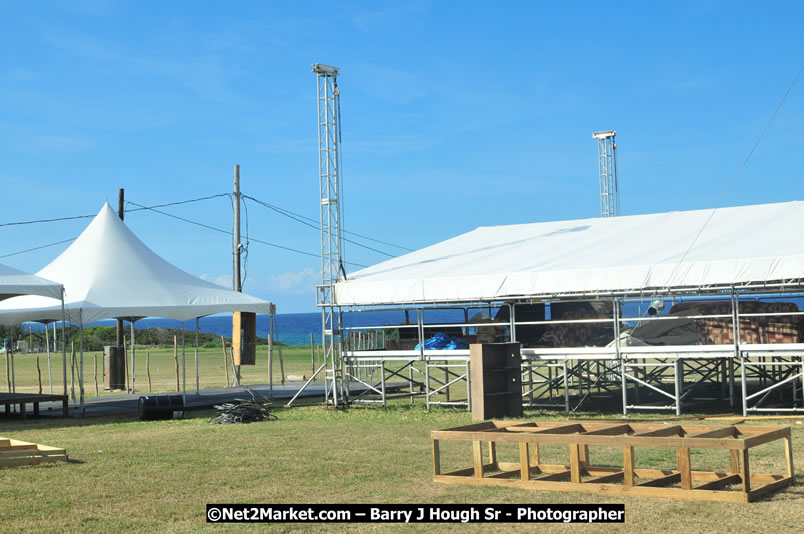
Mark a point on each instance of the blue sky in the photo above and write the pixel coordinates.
(455, 115)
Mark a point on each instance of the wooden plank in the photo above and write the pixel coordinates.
(524, 461)
(734, 460)
(613, 477)
(664, 481)
(766, 437)
(609, 431)
(788, 456)
(746, 474)
(584, 456)
(575, 463)
(477, 453)
(506, 474)
(669, 430)
(563, 429)
(493, 453)
(628, 465)
(436, 458)
(556, 476)
(773, 486)
(601, 489)
(719, 483)
(724, 432)
(683, 459)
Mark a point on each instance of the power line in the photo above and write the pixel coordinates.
(303, 220)
(737, 174)
(226, 232)
(57, 219)
(40, 247)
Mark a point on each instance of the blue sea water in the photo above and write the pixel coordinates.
(291, 328)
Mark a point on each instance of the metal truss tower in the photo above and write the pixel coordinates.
(607, 165)
(331, 206)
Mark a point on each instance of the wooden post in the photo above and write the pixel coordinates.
(97, 391)
(436, 458)
(524, 461)
(628, 465)
(684, 468)
(575, 463)
(312, 352)
(225, 361)
(39, 373)
(477, 454)
(176, 360)
(746, 472)
(788, 454)
(734, 460)
(148, 370)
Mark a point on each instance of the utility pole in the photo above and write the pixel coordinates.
(121, 201)
(237, 281)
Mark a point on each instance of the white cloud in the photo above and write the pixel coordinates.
(223, 280)
(298, 282)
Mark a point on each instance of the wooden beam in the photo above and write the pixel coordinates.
(662, 481)
(575, 463)
(477, 453)
(683, 458)
(734, 460)
(436, 458)
(725, 432)
(746, 474)
(669, 430)
(614, 477)
(610, 431)
(628, 465)
(788, 456)
(719, 483)
(524, 461)
(555, 476)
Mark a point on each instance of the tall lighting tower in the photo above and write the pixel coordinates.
(607, 166)
(331, 219)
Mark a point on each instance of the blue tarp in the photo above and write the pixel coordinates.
(442, 341)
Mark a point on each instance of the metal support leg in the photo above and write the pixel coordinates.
(566, 388)
(678, 369)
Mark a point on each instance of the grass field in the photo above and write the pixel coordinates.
(211, 371)
(126, 475)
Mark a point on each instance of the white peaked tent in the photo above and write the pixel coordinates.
(731, 247)
(14, 283)
(108, 272)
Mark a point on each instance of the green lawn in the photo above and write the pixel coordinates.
(211, 370)
(127, 475)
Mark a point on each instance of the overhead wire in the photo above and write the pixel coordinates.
(226, 232)
(734, 178)
(299, 218)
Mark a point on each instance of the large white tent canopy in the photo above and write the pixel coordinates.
(760, 244)
(107, 272)
(14, 283)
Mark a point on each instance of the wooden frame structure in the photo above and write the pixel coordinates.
(738, 484)
(14, 452)
(23, 399)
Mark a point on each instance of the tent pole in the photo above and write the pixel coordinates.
(63, 341)
(131, 322)
(183, 369)
(47, 348)
(271, 357)
(10, 353)
(196, 356)
(81, 368)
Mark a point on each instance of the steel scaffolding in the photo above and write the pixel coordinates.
(607, 168)
(331, 220)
